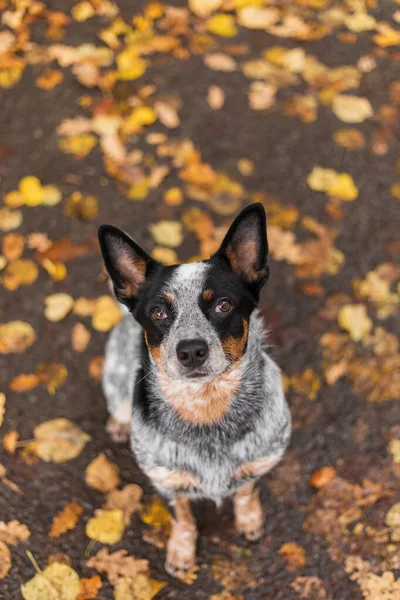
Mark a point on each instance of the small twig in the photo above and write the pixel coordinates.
(89, 548)
(33, 561)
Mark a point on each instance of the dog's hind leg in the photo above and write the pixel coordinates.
(181, 548)
(122, 362)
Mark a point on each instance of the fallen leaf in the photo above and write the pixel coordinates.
(32, 190)
(157, 515)
(352, 109)
(215, 97)
(10, 440)
(107, 313)
(52, 375)
(393, 447)
(336, 185)
(255, 17)
(66, 519)
(392, 518)
(117, 564)
(82, 11)
(56, 270)
(24, 382)
(13, 532)
(261, 95)
(19, 272)
(16, 336)
(218, 61)
(166, 256)
(127, 500)
(350, 138)
(387, 36)
(12, 246)
(2, 407)
(10, 219)
(293, 555)
(96, 366)
(167, 233)
(354, 319)
(59, 440)
(204, 8)
(57, 306)
(107, 526)
(89, 588)
(167, 114)
(84, 307)
(140, 587)
(222, 24)
(101, 474)
(56, 582)
(5, 560)
(78, 145)
(49, 79)
(322, 477)
(309, 587)
(84, 208)
(80, 337)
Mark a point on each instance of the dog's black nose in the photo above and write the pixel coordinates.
(192, 353)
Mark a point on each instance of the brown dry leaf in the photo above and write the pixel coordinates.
(10, 440)
(140, 587)
(107, 313)
(2, 406)
(261, 95)
(127, 500)
(84, 307)
(96, 366)
(13, 532)
(52, 375)
(322, 477)
(354, 319)
(167, 114)
(49, 79)
(255, 17)
(293, 555)
(282, 245)
(89, 588)
(59, 557)
(101, 474)
(19, 272)
(106, 527)
(57, 306)
(66, 519)
(80, 337)
(24, 382)
(306, 384)
(5, 560)
(56, 582)
(117, 564)
(215, 97)
(218, 61)
(62, 250)
(59, 440)
(350, 138)
(309, 587)
(39, 241)
(12, 246)
(352, 109)
(16, 336)
(84, 208)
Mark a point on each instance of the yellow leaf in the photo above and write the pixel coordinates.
(130, 65)
(173, 196)
(20, 272)
(81, 207)
(107, 313)
(140, 587)
(204, 8)
(66, 519)
(59, 440)
(166, 256)
(57, 306)
(352, 109)
(80, 337)
(139, 189)
(56, 270)
(392, 518)
(394, 449)
(53, 375)
(344, 188)
(350, 138)
(354, 319)
(16, 336)
(5, 560)
(84, 307)
(78, 145)
(13, 246)
(157, 515)
(167, 233)
(10, 219)
(56, 582)
(31, 190)
(254, 17)
(360, 21)
(395, 190)
(102, 475)
(321, 179)
(139, 117)
(52, 195)
(82, 11)
(14, 199)
(387, 36)
(106, 527)
(222, 24)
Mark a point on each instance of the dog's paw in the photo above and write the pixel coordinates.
(181, 559)
(252, 534)
(119, 432)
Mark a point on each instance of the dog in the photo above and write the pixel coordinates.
(189, 380)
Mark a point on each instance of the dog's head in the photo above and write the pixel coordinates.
(195, 316)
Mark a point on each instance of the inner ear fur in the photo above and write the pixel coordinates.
(245, 245)
(126, 262)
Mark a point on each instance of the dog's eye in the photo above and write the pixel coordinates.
(158, 314)
(224, 306)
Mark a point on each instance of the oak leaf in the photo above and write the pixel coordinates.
(13, 532)
(117, 564)
(127, 500)
(66, 519)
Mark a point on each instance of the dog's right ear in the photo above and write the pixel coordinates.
(126, 262)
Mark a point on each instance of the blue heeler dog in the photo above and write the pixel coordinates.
(189, 379)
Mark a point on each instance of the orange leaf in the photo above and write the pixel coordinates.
(65, 520)
(90, 588)
(322, 477)
(24, 382)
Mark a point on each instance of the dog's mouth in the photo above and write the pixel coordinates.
(198, 374)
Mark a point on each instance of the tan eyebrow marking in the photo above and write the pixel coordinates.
(169, 297)
(208, 294)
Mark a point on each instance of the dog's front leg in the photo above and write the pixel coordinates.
(181, 547)
(248, 511)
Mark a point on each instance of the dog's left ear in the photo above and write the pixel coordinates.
(245, 245)
(126, 262)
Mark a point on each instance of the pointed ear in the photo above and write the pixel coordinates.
(245, 245)
(127, 263)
